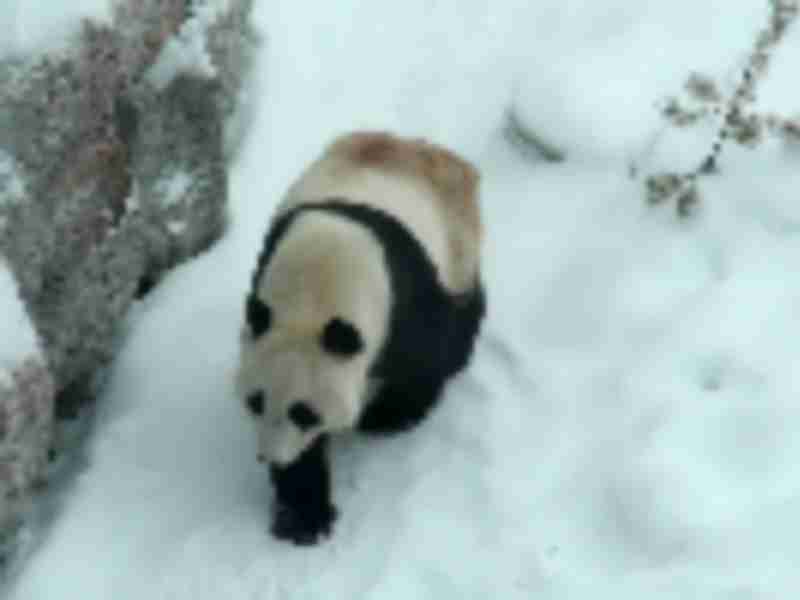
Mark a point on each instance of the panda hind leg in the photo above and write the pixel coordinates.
(400, 406)
(304, 511)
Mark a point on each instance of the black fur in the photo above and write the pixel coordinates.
(303, 416)
(258, 315)
(421, 356)
(303, 510)
(255, 403)
(400, 405)
(340, 337)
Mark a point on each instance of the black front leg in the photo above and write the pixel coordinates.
(303, 509)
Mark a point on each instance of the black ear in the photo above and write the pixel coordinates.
(258, 315)
(302, 415)
(255, 403)
(340, 337)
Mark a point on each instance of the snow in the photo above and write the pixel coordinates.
(628, 428)
(10, 181)
(17, 336)
(176, 227)
(34, 26)
(174, 187)
(12, 187)
(185, 52)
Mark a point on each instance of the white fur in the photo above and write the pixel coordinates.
(324, 267)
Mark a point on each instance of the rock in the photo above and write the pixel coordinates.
(26, 421)
(112, 170)
(26, 410)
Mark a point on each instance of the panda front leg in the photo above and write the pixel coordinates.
(304, 510)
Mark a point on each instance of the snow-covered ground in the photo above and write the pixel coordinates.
(629, 426)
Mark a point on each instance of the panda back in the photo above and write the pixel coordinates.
(430, 191)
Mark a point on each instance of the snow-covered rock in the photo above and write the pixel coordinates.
(97, 166)
(26, 408)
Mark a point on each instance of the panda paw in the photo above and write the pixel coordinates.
(304, 526)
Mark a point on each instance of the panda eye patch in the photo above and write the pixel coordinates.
(302, 415)
(340, 337)
(259, 315)
(255, 403)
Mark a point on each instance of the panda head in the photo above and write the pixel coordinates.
(314, 322)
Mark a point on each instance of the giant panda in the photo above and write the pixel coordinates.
(366, 299)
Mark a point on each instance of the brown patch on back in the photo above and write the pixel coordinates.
(454, 179)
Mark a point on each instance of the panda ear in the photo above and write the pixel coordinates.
(255, 403)
(341, 337)
(258, 315)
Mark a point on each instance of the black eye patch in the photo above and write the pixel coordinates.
(258, 314)
(340, 337)
(255, 403)
(302, 415)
